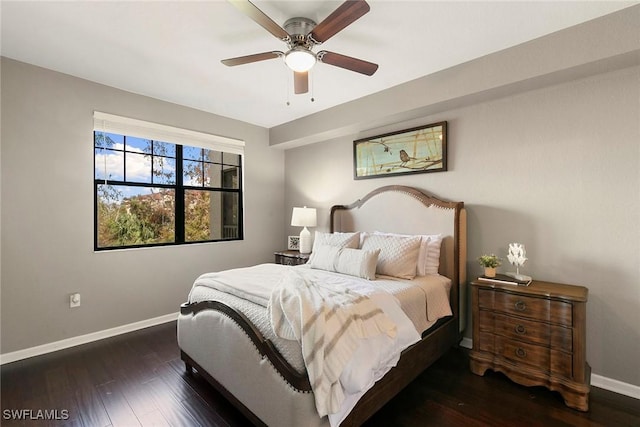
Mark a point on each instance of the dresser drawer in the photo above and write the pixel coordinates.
(510, 327)
(530, 307)
(528, 354)
(538, 357)
(527, 330)
(561, 364)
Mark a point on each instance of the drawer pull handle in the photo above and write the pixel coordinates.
(520, 306)
(520, 352)
(520, 330)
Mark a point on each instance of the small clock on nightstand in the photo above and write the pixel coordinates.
(291, 257)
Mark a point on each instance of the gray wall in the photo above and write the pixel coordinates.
(544, 149)
(47, 212)
(557, 169)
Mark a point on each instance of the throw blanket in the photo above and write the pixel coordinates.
(328, 320)
(251, 283)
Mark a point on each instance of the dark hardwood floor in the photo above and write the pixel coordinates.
(138, 379)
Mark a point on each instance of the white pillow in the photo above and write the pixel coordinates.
(339, 240)
(398, 254)
(342, 240)
(354, 262)
(324, 257)
(358, 262)
(429, 254)
(432, 262)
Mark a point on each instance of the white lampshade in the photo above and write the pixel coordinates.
(304, 217)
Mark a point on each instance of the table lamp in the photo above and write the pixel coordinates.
(304, 217)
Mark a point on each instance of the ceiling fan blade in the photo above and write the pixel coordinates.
(231, 62)
(260, 18)
(343, 16)
(347, 62)
(300, 82)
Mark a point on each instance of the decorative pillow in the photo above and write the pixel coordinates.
(342, 240)
(339, 240)
(398, 255)
(358, 262)
(354, 262)
(324, 257)
(432, 261)
(429, 254)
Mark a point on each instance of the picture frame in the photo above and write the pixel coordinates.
(293, 243)
(420, 149)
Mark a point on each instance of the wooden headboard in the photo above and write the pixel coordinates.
(407, 210)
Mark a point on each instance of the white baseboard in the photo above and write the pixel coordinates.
(615, 386)
(596, 380)
(84, 339)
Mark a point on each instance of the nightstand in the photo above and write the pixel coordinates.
(535, 335)
(291, 257)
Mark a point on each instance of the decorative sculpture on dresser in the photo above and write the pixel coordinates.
(517, 256)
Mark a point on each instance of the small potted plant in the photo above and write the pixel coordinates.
(490, 263)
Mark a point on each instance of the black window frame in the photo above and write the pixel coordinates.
(179, 192)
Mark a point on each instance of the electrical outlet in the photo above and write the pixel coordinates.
(74, 300)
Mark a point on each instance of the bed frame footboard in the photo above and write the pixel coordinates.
(233, 356)
(204, 315)
(264, 346)
(190, 364)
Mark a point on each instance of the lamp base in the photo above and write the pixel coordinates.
(305, 241)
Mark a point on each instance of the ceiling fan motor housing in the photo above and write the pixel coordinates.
(298, 28)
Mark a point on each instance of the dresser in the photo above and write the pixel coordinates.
(535, 335)
(291, 257)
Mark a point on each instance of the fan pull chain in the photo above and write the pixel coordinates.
(288, 87)
(313, 85)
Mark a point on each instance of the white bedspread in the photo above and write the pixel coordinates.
(375, 355)
(329, 320)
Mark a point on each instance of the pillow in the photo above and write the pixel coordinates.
(432, 261)
(354, 262)
(429, 254)
(358, 262)
(323, 257)
(342, 240)
(398, 254)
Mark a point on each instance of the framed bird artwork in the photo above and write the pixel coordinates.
(416, 150)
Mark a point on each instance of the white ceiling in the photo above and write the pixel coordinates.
(171, 50)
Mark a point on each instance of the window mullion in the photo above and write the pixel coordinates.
(179, 204)
(124, 158)
(151, 154)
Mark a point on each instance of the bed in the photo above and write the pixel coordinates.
(224, 339)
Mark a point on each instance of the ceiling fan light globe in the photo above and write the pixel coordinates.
(300, 59)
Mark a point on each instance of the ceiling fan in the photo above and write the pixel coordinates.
(301, 35)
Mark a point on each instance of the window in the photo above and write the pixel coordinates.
(157, 185)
